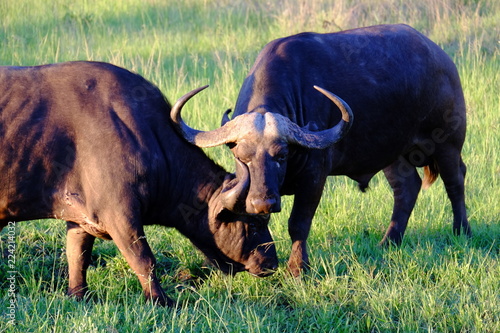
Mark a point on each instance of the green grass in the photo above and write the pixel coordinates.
(435, 282)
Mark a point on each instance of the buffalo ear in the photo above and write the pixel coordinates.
(225, 117)
(311, 126)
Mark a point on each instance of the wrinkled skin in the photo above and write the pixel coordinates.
(409, 109)
(92, 144)
(245, 244)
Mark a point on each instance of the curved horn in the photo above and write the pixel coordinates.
(196, 137)
(325, 138)
(234, 194)
(347, 115)
(175, 114)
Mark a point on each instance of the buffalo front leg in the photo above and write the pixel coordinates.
(405, 183)
(133, 245)
(79, 245)
(299, 225)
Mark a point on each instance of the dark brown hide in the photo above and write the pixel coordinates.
(92, 144)
(409, 111)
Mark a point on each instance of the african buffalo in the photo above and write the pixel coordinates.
(92, 144)
(408, 111)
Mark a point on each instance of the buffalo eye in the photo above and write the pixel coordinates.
(280, 158)
(252, 229)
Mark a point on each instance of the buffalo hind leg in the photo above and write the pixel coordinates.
(133, 245)
(299, 224)
(405, 183)
(452, 170)
(79, 245)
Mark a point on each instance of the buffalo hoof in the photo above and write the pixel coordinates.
(387, 242)
(79, 294)
(297, 269)
(162, 301)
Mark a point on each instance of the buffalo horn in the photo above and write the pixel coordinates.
(234, 193)
(198, 138)
(325, 138)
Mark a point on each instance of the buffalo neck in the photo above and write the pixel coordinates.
(193, 184)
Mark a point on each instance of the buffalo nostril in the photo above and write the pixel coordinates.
(269, 270)
(266, 206)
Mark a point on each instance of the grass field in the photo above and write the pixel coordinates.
(435, 282)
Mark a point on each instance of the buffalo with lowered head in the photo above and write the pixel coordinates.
(93, 144)
(404, 108)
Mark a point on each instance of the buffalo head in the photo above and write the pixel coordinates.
(241, 243)
(260, 142)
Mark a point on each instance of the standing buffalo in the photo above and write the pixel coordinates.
(408, 108)
(92, 144)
